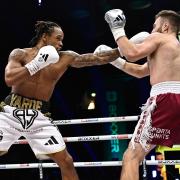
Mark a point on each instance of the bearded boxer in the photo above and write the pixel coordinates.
(159, 121)
(32, 74)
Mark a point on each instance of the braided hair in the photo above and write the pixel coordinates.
(42, 27)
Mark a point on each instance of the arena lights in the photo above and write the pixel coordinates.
(140, 4)
(39, 2)
(154, 174)
(91, 105)
(93, 94)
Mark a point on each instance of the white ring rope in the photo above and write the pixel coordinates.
(85, 164)
(87, 138)
(96, 120)
(92, 120)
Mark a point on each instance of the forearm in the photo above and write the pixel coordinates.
(136, 70)
(100, 58)
(16, 76)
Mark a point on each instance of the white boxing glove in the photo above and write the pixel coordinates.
(102, 48)
(46, 55)
(118, 63)
(140, 37)
(116, 20)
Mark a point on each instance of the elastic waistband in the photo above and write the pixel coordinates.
(22, 102)
(165, 87)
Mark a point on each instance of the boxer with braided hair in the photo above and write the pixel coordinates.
(32, 74)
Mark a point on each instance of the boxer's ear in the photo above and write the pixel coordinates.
(165, 27)
(44, 37)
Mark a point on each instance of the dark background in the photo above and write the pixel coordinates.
(83, 24)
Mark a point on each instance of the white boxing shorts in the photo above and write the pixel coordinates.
(42, 135)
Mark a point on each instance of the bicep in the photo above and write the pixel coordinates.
(145, 49)
(69, 58)
(149, 46)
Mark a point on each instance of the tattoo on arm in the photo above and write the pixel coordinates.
(17, 54)
(96, 59)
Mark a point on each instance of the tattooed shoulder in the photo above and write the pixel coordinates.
(17, 53)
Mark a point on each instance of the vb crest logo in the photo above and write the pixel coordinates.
(25, 116)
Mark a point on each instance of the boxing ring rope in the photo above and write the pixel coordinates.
(85, 164)
(87, 138)
(96, 120)
(41, 165)
(92, 120)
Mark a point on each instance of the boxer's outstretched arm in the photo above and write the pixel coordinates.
(91, 59)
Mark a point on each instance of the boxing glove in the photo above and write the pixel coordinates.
(140, 37)
(116, 20)
(118, 63)
(46, 55)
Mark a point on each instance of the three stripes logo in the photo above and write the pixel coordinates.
(43, 57)
(118, 18)
(51, 141)
(1, 135)
(25, 116)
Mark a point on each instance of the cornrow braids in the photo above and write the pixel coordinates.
(42, 27)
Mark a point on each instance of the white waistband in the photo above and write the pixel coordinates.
(165, 87)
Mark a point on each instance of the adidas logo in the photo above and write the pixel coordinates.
(43, 57)
(51, 141)
(118, 18)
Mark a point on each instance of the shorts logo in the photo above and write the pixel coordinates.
(1, 135)
(25, 116)
(51, 141)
